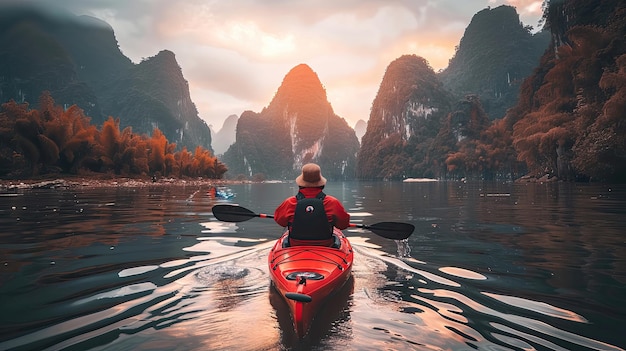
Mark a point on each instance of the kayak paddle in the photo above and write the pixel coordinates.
(235, 213)
(388, 230)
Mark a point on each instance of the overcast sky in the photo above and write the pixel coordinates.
(235, 53)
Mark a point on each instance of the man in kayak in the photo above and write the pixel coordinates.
(212, 191)
(311, 215)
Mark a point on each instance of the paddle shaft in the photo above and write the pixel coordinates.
(246, 214)
(388, 230)
(351, 225)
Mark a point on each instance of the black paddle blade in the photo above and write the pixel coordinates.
(232, 213)
(392, 230)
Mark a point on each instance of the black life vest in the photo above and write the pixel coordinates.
(310, 221)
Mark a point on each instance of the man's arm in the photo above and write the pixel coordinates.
(284, 212)
(340, 216)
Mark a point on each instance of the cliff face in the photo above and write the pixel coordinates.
(298, 126)
(78, 60)
(406, 116)
(33, 60)
(154, 94)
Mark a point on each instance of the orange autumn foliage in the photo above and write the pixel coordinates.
(53, 140)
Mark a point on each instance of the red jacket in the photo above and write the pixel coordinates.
(334, 209)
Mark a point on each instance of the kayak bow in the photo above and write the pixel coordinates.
(305, 276)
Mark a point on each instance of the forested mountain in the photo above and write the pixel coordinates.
(405, 119)
(154, 94)
(495, 54)
(570, 121)
(298, 126)
(435, 125)
(473, 146)
(77, 59)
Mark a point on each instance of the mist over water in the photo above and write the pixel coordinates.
(490, 266)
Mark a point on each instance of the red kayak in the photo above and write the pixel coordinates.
(305, 276)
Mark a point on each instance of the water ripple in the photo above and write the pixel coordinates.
(205, 287)
(151, 270)
(444, 315)
(540, 307)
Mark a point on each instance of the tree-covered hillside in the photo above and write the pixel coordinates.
(77, 59)
(496, 53)
(570, 121)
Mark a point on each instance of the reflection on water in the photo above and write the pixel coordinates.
(490, 267)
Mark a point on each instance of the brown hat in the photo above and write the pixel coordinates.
(311, 176)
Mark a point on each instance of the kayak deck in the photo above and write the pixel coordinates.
(306, 275)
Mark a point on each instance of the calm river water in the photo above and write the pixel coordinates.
(490, 266)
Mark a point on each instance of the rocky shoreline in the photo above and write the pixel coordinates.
(84, 182)
(125, 182)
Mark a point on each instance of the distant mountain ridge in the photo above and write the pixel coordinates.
(225, 136)
(298, 126)
(359, 128)
(78, 60)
